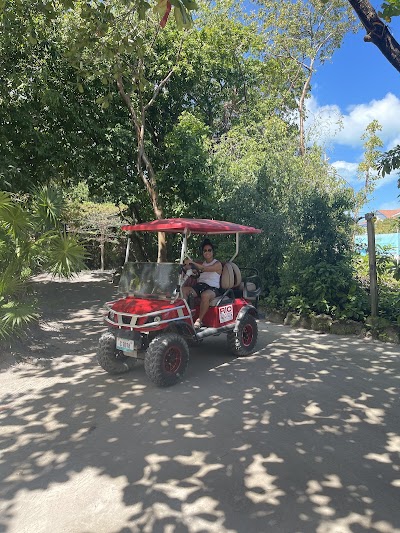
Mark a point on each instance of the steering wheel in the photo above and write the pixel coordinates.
(194, 267)
(195, 271)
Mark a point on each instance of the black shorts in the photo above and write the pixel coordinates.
(201, 287)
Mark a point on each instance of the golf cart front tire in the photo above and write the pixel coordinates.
(110, 359)
(166, 360)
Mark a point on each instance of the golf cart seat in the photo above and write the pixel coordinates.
(231, 277)
(250, 286)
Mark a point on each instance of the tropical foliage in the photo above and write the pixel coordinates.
(31, 240)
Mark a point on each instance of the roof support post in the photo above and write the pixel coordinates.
(237, 247)
(128, 245)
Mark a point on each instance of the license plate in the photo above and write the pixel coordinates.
(126, 345)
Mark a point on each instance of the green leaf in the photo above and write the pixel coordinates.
(10, 283)
(15, 220)
(160, 8)
(66, 256)
(47, 205)
(5, 200)
(182, 18)
(14, 316)
(190, 5)
(142, 9)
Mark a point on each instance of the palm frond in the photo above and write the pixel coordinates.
(47, 205)
(5, 200)
(66, 256)
(15, 316)
(11, 283)
(7, 248)
(15, 221)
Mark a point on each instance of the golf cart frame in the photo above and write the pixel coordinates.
(153, 321)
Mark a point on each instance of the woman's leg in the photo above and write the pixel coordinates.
(206, 297)
(187, 291)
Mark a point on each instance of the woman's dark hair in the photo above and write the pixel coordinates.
(206, 242)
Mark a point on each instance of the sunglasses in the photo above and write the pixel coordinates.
(207, 250)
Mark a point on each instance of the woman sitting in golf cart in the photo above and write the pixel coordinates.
(208, 283)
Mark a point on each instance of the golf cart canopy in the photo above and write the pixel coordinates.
(191, 225)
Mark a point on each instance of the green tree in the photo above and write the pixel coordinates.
(50, 130)
(301, 37)
(98, 225)
(368, 166)
(317, 274)
(122, 55)
(389, 225)
(203, 74)
(389, 161)
(189, 169)
(262, 182)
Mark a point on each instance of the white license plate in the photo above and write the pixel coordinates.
(126, 345)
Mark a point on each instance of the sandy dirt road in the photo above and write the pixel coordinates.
(304, 436)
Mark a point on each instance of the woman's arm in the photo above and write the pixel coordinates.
(216, 267)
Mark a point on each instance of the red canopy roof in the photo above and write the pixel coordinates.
(203, 226)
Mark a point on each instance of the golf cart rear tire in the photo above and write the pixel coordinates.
(243, 341)
(110, 359)
(166, 360)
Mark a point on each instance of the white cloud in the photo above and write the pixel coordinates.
(394, 142)
(347, 171)
(389, 178)
(340, 132)
(323, 123)
(328, 125)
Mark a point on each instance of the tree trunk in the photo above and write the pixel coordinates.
(377, 32)
(102, 257)
(302, 143)
(102, 244)
(149, 179)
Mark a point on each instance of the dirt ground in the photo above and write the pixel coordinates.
(71, 318)
(303, 436)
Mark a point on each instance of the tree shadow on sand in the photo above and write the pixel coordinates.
(303, 436)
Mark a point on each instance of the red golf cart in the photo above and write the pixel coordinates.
(152, 321)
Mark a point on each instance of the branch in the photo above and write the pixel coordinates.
(164, 81)
(158, 89)
(128, 102)
(377, 31)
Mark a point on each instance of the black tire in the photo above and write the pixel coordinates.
(113, 361)
(166, 359)
(243, 341)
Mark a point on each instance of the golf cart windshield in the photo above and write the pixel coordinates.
(155, 280)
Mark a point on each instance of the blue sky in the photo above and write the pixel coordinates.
(358, 85)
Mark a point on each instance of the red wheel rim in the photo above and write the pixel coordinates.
(247, 335)
(172, 359)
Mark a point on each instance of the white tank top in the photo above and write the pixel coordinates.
(212, 279)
